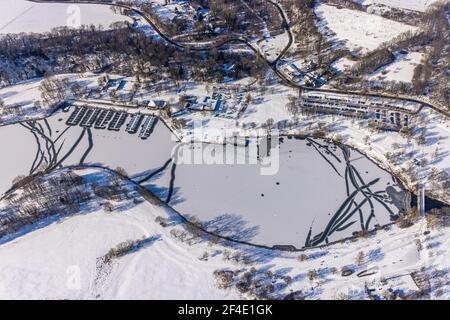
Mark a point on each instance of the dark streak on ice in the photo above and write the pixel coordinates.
(91, 145)
(70, 151)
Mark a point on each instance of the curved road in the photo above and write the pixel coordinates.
(244, 40)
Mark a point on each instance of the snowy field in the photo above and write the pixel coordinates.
(402, 69)
(416, 5)
(74, 245)
(166, 268)
(358, 31)
(271, 105)
(18, 16)
(269, 210)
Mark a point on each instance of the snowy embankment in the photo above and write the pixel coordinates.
(343, 64)
(18, 16)
(165, 264)
(357, 30)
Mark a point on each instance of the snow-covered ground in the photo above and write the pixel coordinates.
(165, 13)
(402, 69)
(343, 64)
(18, 16)
(63, 261)
(356, 29)
(416, 5)
(267, 206)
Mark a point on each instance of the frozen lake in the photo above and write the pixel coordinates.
(314, 190)
(321, 193)
(18, 16)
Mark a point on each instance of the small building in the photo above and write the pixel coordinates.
(156, 104)
(121, 85)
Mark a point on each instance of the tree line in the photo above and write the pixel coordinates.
(123, 50)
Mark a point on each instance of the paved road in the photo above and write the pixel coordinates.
(285, 25)
(242, 39)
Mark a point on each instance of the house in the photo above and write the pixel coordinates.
(121, 85)
(292, 71)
